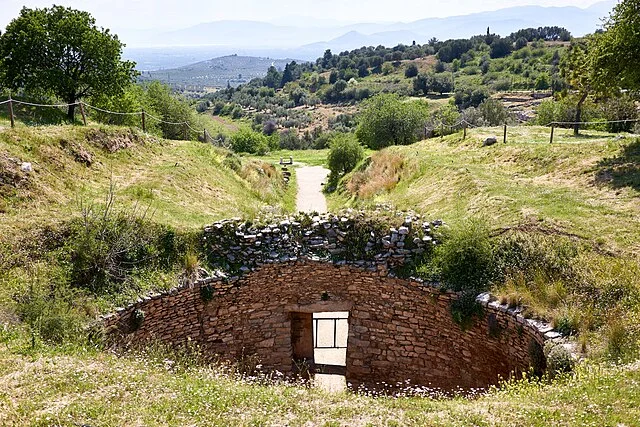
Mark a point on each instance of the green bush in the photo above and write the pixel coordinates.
(531, 256)
(464, 261)
(248, 141)
(616, 109)
(108, 246)
(345, 153)
(493, 112)
(465, 308)
(559, 360)
(411, 71)
(53, 311)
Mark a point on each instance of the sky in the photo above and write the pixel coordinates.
(174, 14)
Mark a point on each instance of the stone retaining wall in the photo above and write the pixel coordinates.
(399, 330)
(237, 247)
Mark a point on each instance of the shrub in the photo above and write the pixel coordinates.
(469, 97)
(232, 161)
(493, 112)
(108, 246)
(51, 311)
(411, 71)
(464, 261)
(288, 140)
(559, 360)
(542, 82)
(248, 141)
(345, 153)
(465, 308)
(617, 109)
(618, 341)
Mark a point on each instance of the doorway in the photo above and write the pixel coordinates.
(330, 333)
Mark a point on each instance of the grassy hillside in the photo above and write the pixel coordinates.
(186, 184)
(587, 186)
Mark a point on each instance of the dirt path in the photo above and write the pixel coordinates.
(310, 196)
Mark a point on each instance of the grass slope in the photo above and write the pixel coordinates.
(187, 184)
(587, 186)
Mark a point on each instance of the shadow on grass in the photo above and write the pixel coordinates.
(622, 170)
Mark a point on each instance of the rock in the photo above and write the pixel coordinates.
(26, 167)
(403, 230)
(490, 141)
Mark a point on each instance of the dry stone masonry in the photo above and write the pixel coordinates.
(239, 247)
(400, 330)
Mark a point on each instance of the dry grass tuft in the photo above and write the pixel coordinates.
(381, 173)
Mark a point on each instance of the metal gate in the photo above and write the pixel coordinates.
(330, 328)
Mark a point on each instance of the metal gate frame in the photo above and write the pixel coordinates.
(335, 332)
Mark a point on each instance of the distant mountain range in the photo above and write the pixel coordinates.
(216, 72)
(297, 40)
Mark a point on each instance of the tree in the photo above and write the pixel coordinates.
(577, 70)
(346, 152)
(615, 52)
(387, 120)
(493, 112)
(521, 42)
(501, 48)
(59, 51)
(273, 78)
(248, 141)
(438, 83)
(411, 71)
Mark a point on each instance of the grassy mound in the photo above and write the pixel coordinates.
(90, 217)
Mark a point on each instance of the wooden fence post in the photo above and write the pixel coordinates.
(13, 123)
(505, 134)
(186, 131)
(84, 117)
(551, 140)
(464, 132)
(144, 125)
(204, 135)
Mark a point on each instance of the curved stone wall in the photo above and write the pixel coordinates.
(399, 329)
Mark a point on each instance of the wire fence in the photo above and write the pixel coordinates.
(187, 131)
(206, 137)
(464, 125)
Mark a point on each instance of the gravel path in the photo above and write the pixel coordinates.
(310, 196)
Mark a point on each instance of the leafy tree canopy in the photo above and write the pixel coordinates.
(387, 120)
(59, 51)
(616, 51)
